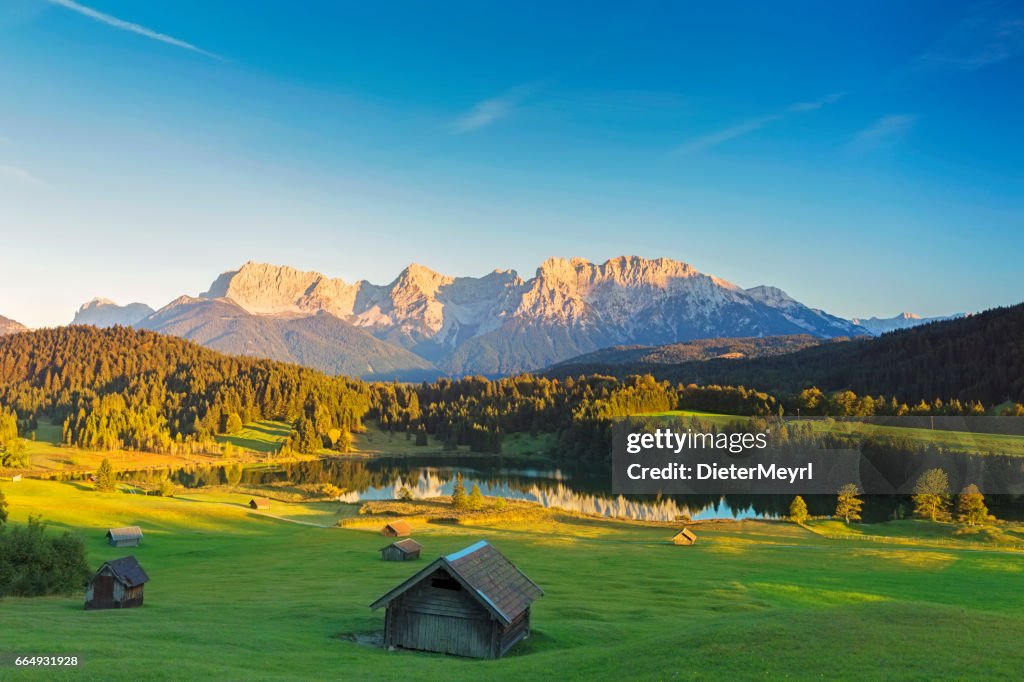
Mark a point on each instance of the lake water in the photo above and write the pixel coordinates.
(573, 487)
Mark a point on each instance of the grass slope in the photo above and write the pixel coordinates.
(238, 595)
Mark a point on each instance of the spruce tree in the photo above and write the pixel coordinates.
(476, 498)
(459, 500)
(798, 510)
(105, 476)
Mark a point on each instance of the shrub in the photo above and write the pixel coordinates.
(33, 564)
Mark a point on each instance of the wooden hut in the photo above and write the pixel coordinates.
(129, 536)
(403, 550)
(684, 537)
(474, 603)
(397, 529)
(16, 478)
(259, 503)
(119, 584)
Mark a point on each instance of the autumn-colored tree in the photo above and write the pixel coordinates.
(3, 508)
(798, 510)
(931, 495)
(849, 504)
(405, 494)
(970, 506)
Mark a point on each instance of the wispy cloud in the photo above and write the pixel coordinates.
(492, 110)
(885, 130)
(706, 142)
(130, 27)
(991, 33)
(12, 172)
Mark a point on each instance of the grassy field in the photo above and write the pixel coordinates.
(237, 594)
(976, 443)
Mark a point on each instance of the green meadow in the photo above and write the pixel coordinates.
(237, 594)
(974, 443)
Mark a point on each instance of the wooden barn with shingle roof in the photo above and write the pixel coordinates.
(474, 603)
(397, 529)
(128, 536)
(402, 550)
(119, 584)
(684, 537)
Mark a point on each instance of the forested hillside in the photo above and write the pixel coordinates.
(976, 358)
(119, 387)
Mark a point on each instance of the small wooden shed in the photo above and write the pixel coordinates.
(402, 550)
(474, 603)
(259, 503)
(119, 584)
(16, 478)
(684, 537)
(397, 529)
(128, 536)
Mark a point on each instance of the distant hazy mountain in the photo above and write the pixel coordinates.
(321, 340)
(101, 312)
(500, 323)
(881, 325)
(639, 358)
(9, 326)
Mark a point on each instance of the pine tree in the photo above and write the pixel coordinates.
(459, 500)
(105, 476)
(344, 442)
(848, 505)
(421, 435)
(798, 510)
(931, 495)
(476, 498)
(970, 506)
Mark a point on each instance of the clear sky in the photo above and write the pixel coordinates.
(864, 156)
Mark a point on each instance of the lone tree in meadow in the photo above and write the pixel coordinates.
(234, 424)
(476, 498)
(931, 495)
(459, 499)
(970, 506)
(798, 510)
(105, 476)
(849, 504)
(405, 494)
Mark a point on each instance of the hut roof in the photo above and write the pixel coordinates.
(407, 545)
(686, 533)
(125, 533)
(485, 572)
(259, 502)
(400, 527)
(127, 569)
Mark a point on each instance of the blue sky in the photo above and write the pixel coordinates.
(866, 156)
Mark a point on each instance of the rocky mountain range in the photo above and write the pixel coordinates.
(102, 312)
(883, 325)
(496, 324)
(9, 326)
(425, 322)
